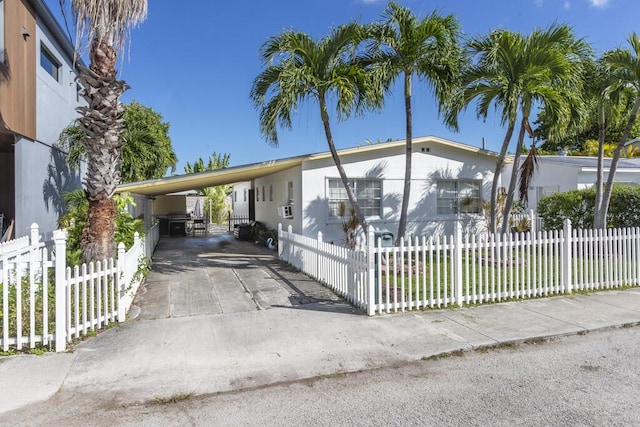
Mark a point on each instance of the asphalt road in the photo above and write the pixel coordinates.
(587, 380)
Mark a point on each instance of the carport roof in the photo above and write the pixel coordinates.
(193, 181)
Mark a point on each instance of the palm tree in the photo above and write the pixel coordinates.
(516, 73)
(425, 48)
(105, 26)
(625, 72)
(299, 68)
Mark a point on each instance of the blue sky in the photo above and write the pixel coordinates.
(195, 65)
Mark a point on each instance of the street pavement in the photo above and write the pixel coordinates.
(218, 315)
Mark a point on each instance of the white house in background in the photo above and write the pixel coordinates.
(449, 182)
(38, 97)
(564, 173)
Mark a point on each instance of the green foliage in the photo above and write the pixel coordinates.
(215, 197)
(147, 153)
(76, 216)
(260, 234)
(578, 206)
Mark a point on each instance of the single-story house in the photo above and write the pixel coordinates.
(450, 181)
(564, 173)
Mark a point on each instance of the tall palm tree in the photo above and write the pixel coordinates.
(517, 73)
(104, 25)
(299, 68)
(406, 46)
(625, 69)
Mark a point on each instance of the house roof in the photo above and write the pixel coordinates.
(588, 164)
(172, 184)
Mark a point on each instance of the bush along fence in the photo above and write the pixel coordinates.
(459, 270)
(44, 302)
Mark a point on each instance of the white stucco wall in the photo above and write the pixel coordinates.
(440, 162)
(267, 211)
(240, 198)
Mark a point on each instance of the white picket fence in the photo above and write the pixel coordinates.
(342, 270)
(469, 269)
(44, 301)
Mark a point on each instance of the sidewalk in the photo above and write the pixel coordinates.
(217, 315)
(144, 360)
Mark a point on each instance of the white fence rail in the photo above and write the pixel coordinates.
(458, 270)
(44, 301)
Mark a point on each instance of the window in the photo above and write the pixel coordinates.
(1, 31)
(49, 62)
(271, 192)
(235, 196)
(264, 195)
(289, 192)
(368, 193)
(257, 194)
(245, 194)
(458, 196)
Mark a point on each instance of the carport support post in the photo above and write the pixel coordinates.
(371, 273)
(60, 241)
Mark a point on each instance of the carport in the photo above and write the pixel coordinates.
(216, 274)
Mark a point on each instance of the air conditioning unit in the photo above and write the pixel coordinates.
(285, 211)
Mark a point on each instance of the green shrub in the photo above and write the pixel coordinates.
(578, 206)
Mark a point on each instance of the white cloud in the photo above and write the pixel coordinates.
(538, 3)
(600, 4)
(567, 5)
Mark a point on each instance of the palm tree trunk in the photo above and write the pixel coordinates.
(102, 122)
(402, 227)
(336, 159)
(494, 185)
(514, 177)
(598, 219)
(606, 194)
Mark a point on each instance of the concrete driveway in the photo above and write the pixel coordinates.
(216, 274)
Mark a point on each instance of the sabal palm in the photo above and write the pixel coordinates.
(625, 72)
(515, 73)
(299, 69)
(105, 25)
(406, 46)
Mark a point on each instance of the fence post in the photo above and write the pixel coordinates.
(121, 277)
(533, 222)
(566, 256)
(318, 244)
(34, 239)
(458, 263)
(371, 273)
(60, 241)
(289, 245)
(280, 240)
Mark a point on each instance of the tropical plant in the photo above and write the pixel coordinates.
(516, 73)
(147, 153)
(299, 69)
(406, 46)
(215, 197)
(75, 219)
(624, 65)
(104, 27)
(350, 225)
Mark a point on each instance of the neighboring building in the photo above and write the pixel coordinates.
(450, 181)
(564, 173)
(38, 97)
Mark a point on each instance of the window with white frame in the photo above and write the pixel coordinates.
(245, 195)
(264, 195)
(49, 62)
(257, 194)
(2, 31)
(271, 192)
(368, 192)
(458, 196)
